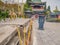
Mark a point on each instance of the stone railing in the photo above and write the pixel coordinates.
(8, 32)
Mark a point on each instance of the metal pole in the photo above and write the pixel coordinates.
(24, 35)
(6, 4)
(22, 9)
(20, 40)
(19, 8)
(18, 5)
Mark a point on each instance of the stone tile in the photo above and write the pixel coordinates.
(49, 36)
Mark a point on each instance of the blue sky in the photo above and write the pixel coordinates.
(52, 3)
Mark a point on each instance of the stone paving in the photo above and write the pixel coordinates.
(49, 36)
(8, 30)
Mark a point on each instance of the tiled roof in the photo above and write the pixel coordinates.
(57, 13)
(52, 13)
(38, 1)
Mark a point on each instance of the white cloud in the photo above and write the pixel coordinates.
(53, 3)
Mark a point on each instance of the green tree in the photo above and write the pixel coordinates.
(3, 14)
(56, 9)
(26, 6)
(49, 9)
(27, 3)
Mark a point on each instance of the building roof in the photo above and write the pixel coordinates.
(52, 13)
(28, 11)
(36, 1)
(57, 13)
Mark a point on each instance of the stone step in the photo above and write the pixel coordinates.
(14, 41)
(6, 33)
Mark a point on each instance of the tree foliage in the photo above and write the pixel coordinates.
(3, 14)
(49, 8)
(56, 9)
(27, 6)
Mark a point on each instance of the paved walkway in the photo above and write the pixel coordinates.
(49, 36)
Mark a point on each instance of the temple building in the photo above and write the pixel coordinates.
(38, 7)
(28, 13)
(55, 15)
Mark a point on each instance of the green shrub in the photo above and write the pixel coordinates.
(3, 14)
